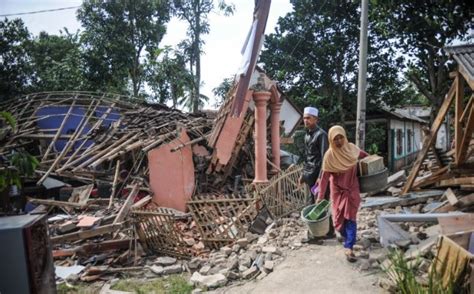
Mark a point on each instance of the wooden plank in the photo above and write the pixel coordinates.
(114, 185)
(459, 82)
(127, 205)
(455, 224)
(467, 109)
(466, 139)
(456, 182)
(86, 234)
(429, 139)
(453, 200)
(142, 202)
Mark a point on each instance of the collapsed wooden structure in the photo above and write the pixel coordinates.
(460, 172)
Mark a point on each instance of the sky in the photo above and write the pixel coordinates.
(222, 46)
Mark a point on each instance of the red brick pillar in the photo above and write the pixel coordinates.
(275, 132)
(261, 99)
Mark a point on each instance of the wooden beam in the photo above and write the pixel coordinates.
(127, 205)
(457, 182)
(466, 139)
(459, 82)
(86, 234)
(429, 139)
(467, 109)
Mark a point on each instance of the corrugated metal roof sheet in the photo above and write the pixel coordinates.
(464, 56)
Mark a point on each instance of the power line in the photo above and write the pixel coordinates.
(39, 11)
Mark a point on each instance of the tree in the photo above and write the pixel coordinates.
(420, 30)
(223, 89)
(314, 56)
(117, 36)
(58, 63)
(168, 77)
(195, 13)
(15, 69)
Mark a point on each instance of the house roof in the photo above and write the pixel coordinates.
(464, 56)
(403, 114)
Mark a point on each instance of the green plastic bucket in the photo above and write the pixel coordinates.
(320, 226)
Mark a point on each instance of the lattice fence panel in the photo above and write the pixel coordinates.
(158, 232)
(222, 219)
(283, 195)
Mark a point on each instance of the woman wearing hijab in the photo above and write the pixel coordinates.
(340, 170)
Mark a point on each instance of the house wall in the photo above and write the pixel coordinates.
(406, 138)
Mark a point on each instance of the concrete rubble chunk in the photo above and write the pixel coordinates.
(268, 265)
(173, 269)
(262, 275)
(226, 250)
(236, 248)
(232, 263)
(245, 261)
(212, 281)
(250, 273)
(165, 260)
(205, 270)
(268, 256)
(157, 269)
(242, 242)
(197, 291)
(195, 263)
(251, 237)
(242, 268)
(232, 275)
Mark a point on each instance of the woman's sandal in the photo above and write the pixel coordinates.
(350, 256)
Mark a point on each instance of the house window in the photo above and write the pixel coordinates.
(399, 142)
(409, 139)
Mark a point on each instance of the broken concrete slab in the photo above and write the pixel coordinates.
(165, 260)
(212, 281)
(409, 199)
(250, 273)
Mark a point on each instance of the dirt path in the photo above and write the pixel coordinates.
(312, 269)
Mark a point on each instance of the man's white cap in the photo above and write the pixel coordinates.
(311, 111)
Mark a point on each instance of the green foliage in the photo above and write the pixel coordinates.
(118, 38)
(15, 68)
(406, 277)
(8, 117)
(223, 89)
(173, 284)
(58, 62)
(419, 30)
(168, 76)
(24, 162)
(314, 56)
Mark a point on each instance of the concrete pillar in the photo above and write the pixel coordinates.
(275, 132)
(261, 99)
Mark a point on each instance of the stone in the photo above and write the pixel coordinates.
(250, 273)
(242, 268)
(195, 263)
(232, 275)
(216, 269)
(245, 261)
(268, 265)
(236, 248)
(232, 263)
(251, 237)
(173, 269)
(268, 256)
(212, 281)
(262, 240)
(358, 247)
(157, 269)
(165, 260)
(270, 249)
(242, 242)
(205, 270)
(253, 254)
(226, 250)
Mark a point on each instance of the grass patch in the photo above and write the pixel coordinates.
(175, 284)
(81, 288)
(405, 276)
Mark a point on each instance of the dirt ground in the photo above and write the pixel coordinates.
(312, 269)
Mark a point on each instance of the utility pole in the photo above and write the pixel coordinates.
(361, 91)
